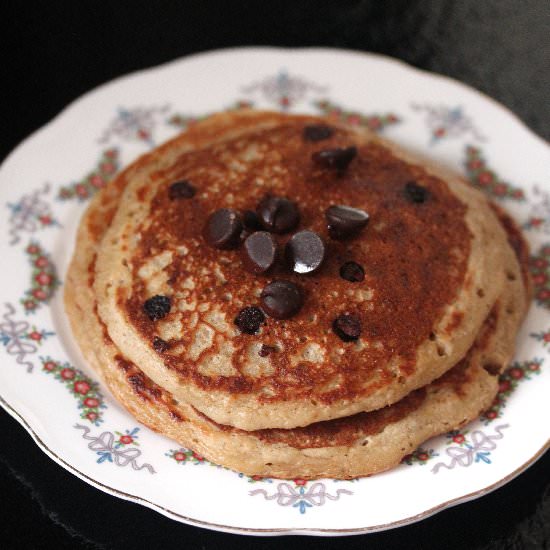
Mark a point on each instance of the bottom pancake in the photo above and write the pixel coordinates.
(349, 447)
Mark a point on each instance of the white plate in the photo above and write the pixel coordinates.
(46, 385)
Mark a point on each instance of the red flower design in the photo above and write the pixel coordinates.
(32, 249)
(504, 386)
(107, 167)
(540, 263)
(126, 439)
(546, 338)
(179, 456)
(374, 123)
(439, 132)
(43, 279)
(284, 101)
(81, 190)
(143, 134)
(474, 164)
(422, 456)
(516, 373)
(81, 386)
(67, 374)
(500, 189)
(39, 294)
(97, 181)
(491, 415)
(539, 279)
(91, 402)
(485, 178)
(49, 365)
(198, 456)
(543, 294)
(300, 482)
(41, 261)
(29, 304)
(45, 220)
(518, 194)
(534, 367)
(459, 438)
(92, 416)
(35, 335)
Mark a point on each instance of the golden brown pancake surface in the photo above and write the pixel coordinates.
(425, 292)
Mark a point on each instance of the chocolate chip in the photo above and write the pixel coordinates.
(335, 159)
(160, 345)
(249, 319)
(281, 299)
(345, 221)
(251, 221)
(181, 190)
(266, 350)
(259, 252)
(157, 307)
(416, 193)
(305, 251)
(223, 228)
(347, 327)
(352, 272)
(277, 214)
(317, 132)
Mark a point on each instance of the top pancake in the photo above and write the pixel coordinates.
(432, 273)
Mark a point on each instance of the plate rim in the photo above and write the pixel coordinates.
(20, 418)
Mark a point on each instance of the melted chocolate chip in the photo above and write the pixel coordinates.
(277, 214)
(281, 299)
(259, 252)
(266, 350)
(223, 229)
(157, 307)
(345, 221)
(160, 345)
(352, 272)
(335, 159)
(416, 193)
(305, 251)
(347, 327)
(249, 319)
(317, 132)
(181, 190)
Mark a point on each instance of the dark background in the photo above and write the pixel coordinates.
(52, 52)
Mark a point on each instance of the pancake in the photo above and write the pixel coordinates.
(433, 271)
(359, 445)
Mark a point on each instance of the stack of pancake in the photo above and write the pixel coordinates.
(293, 298)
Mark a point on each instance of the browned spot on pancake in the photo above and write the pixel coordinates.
(414, 256)
(457, 377)
(126, 366)
(146, 389)
(492, 368)
(516, 241)
(461, 373)
(334, 433)
(176, 416)
(454, 323)
(488, 328)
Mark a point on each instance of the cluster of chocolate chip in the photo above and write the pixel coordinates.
(304, 252)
